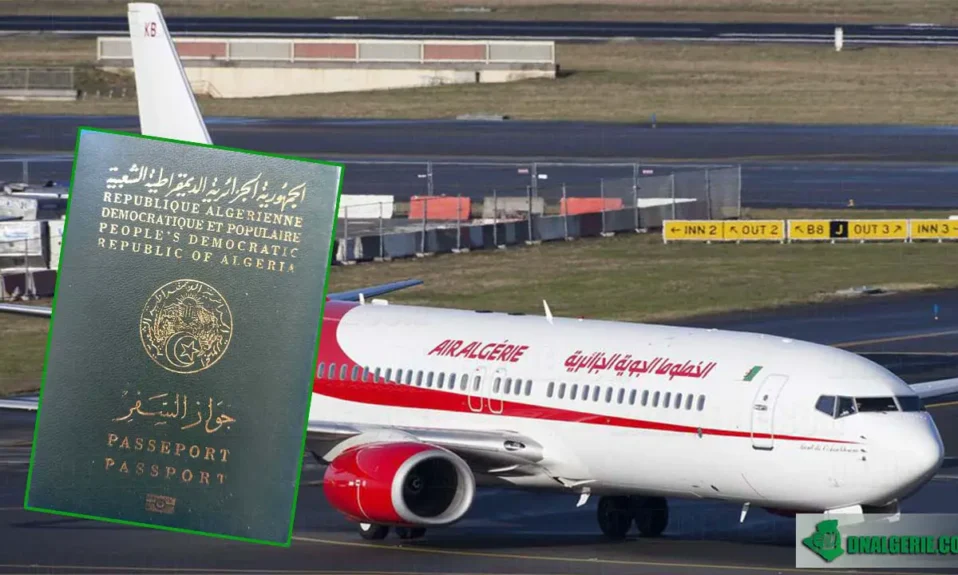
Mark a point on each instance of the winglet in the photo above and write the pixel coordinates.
(548, 312)
(165, 99)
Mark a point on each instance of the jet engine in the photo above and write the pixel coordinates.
(403, 483)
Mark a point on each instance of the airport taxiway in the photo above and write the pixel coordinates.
(782, 165)
(506, 531)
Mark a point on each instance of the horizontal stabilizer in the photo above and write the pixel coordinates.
(372, 291)
(26, 309)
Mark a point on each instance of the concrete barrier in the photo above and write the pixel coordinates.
(258, 67)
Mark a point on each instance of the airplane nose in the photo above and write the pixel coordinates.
(926, 454)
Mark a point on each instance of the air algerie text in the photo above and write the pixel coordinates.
(458, 348)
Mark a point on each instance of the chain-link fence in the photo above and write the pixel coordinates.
(36, 78)
(393, 208)
(597, 199)
(29, 253)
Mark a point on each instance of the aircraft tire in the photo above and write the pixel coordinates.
(410, 532)
(372, 531)
(651, 515)
(615, 516)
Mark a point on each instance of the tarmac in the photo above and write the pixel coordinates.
(506, 531)
(782, 165)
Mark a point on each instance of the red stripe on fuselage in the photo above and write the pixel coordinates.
(392, 394)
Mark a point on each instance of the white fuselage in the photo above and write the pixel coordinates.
(632, 408)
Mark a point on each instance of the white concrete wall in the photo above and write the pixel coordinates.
(248, 82)
(372, 207)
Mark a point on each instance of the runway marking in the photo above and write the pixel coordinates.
(636, 563)
(896, 338)
(918, 353)
(942, 404)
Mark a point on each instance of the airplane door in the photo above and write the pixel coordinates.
(763, 411)
(493, 392)
(475, 389)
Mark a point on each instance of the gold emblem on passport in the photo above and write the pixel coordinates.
(160, 504)
(186, 326)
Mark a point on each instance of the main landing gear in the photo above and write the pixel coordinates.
(616, 515)
(373, 531)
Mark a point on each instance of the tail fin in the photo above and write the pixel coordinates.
(167, 106)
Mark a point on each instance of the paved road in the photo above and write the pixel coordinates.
(887, 34)
(796, 166)
(507, 531)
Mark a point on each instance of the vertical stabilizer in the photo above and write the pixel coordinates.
(167, 106)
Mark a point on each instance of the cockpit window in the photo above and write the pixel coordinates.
(910, 403)
(846, 406)
(826, 404)
(873, 404)
(841, 406)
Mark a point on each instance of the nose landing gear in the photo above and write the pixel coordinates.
(617, 513)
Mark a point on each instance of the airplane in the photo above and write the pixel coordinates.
(414, 409)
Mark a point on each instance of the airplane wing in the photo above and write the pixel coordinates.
(492, 452)
(351, 295)
(935, 389)
(20, 403)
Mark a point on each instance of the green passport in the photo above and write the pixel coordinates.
(185, 327)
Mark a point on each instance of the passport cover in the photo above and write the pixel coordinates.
(184, 335)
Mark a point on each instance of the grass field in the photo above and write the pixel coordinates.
(847, 11)
(607, 82)
(628, 278)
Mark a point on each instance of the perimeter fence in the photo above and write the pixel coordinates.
(397, 209)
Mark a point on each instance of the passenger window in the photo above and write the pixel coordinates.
(419, 378)
(688, 401)
(355, 374)
(678, 400)
(575, 389)
(826, 404)
(377, 378)
(508, 386)
(498, 384)
(585, 392)
(528, 387)
(332, 371)
(608, 395)
(595, 393)
(429, 380)
(655, 399)
(408, 377)
(701, 403)
(464, 382)
(668, 396)
(441, 380)
(342, 372)
(550, 389)
(632, 397)
(475, 383)
(388, 377)
(452, 381)
(846, 406)
(321, 370)
(561, 390)
(366, 374)
(621, 397)
(645, 397)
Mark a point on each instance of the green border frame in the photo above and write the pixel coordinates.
(319, 332)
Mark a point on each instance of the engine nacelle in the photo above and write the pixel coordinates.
(400, 484)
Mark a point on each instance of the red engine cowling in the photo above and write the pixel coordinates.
(400, 484)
